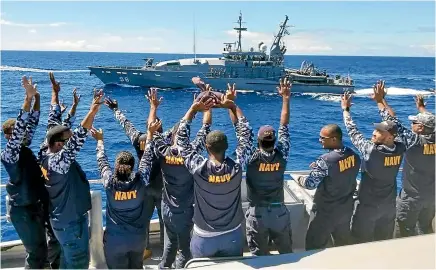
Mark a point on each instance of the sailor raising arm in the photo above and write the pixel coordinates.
(217, 183)
(334, 176)
(417, 196)
(374, 218)
(25, 181)
(178, 192)
(126, 191)
(267, 216)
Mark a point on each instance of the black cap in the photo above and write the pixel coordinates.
(58, 129)
(388, 126)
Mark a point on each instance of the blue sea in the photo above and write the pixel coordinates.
(405, 77)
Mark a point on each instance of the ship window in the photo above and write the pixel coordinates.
(102, 71)
(134, 73)
(140, 73)
(173, 64)
(124, 72)
(108, 72)
(118, 72)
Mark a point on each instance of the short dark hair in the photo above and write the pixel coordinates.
(335, 130)
(124, 164)
(8, 125)
(216, 142)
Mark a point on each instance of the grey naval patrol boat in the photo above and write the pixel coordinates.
(250, 70)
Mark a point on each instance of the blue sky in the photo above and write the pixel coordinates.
(321, 28)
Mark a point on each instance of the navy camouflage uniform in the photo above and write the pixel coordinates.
(26, 211)
(217, 195)
(267, 217)
(416, 201)
(64, 180)
(154, 197)
(125, 234)
(374, 217)
(54, 119)
(333, 201)
(177, 198)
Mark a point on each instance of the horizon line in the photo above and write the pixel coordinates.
(433, 56)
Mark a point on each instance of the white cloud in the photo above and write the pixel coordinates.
(110, 38)
(66, 44)
(32, 31)
(9, 23)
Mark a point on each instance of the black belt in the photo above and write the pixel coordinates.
(275, 204)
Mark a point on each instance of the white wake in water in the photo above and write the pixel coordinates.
(392, 91)
(395, 91)
(24, 69)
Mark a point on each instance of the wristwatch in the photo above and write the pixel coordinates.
(347, 109)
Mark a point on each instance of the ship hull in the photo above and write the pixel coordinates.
(182, 79)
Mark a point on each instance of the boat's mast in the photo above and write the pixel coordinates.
(276, 50)
(240, 29)
(195, 52)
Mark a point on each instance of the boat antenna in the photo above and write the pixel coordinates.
(195, 52)
(239, 30)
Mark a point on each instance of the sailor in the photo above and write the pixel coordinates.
(178, 192)
(68, 188)
(217, 183)
(138, 140)
(55, 118)
(125, 234)
(267, 217)
(25, 179)
(416, 200)
(333, 175)
(374, 217)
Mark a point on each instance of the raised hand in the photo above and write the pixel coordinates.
(419, 101)
(231, 92)
(199, 83)
(285, 88)
(379, 91)
(111, 104)
(152, 98)
(97, 100)
(63, 106)
(203, 104)
(96, 134)
(29, 87)
(154, 126)
(76, 97)
(346, 100)
(56, 86)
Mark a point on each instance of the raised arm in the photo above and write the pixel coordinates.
(318, 172)
(408, 137)
(11, 152)
(199, 143)
(364, 146)
(68, 121)
(284, 140)
(193, 160)
(147, 158)
(244, 135)
(128, 127)
(61, 161)
(33, 121)
(102, 160)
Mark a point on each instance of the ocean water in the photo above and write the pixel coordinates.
(405, 77)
